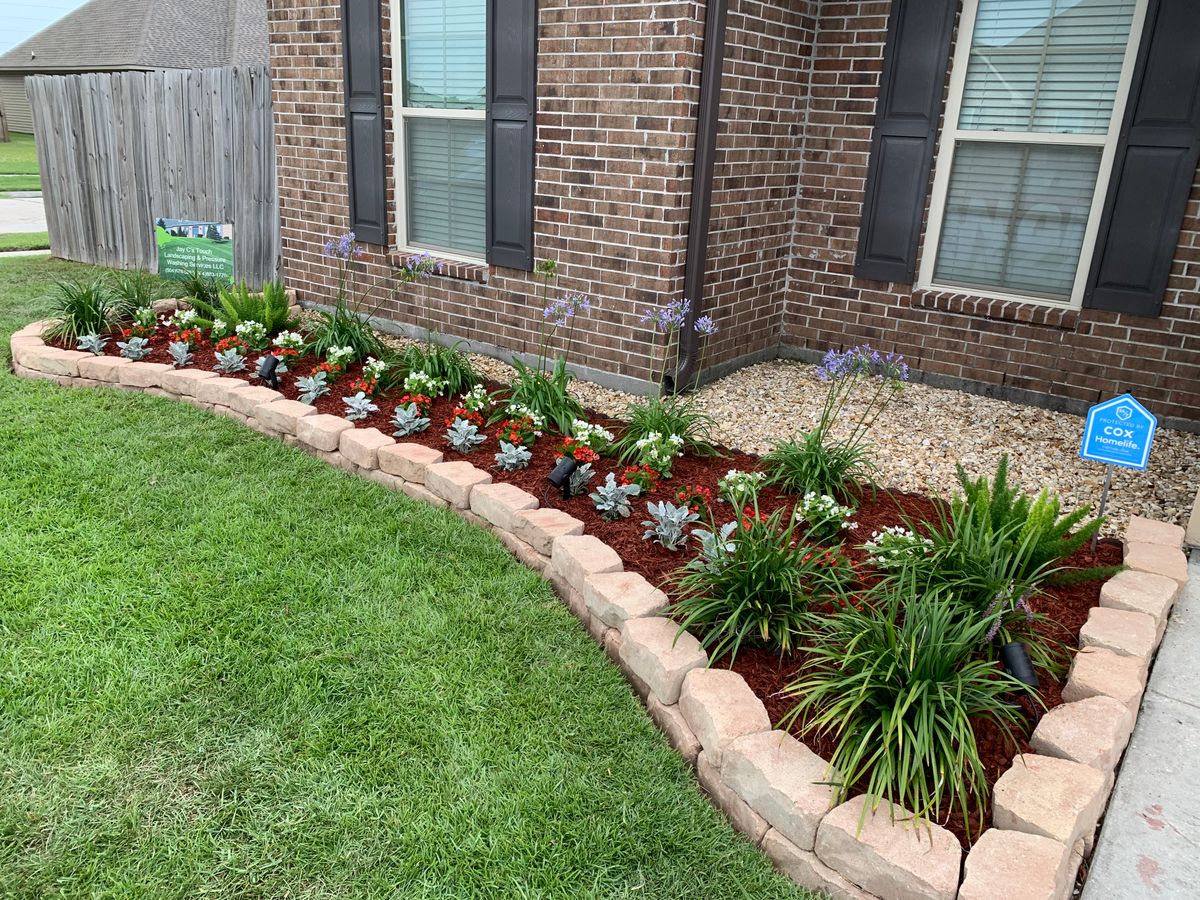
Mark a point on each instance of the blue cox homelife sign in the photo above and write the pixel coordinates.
(1119, 432)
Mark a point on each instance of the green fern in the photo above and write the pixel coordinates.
(236, 304)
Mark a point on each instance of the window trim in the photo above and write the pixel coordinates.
(951, 134)
(400, 113)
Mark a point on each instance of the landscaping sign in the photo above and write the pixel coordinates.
(187, 247)
(1119, 432)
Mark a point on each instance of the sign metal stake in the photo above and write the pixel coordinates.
(1108, 470)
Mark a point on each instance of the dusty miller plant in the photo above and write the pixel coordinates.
(311, 387)
(92, 343)
(612, 499)
(408, 420)
(513, 456)
(229, 361)
(181, 353)
(359, 407)
(667, 523)
(135, 348)
(464, 436)
(580, 479)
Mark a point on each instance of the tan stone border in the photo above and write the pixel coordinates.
(770, 785)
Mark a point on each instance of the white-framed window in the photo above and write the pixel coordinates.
(1037, 94)
(440, 85)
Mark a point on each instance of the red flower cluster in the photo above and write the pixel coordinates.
(581, 453)
(749, 518)
(517, 431)
(645, 477)
(364, 385)
(827, 559)
(695, 497)
(231, 342)
(332, 372)
(461, 412)
(285, 356)
(142, 331)
(423, 403)
(191, 336)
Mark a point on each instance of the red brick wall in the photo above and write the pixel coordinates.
(1077, 356)
(617, 87)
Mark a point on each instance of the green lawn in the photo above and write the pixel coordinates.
(25, 240)
(228, 670)
(18, 156)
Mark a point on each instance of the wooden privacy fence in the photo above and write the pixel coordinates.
(118, 150)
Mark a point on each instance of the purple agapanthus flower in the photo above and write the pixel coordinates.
(862, 360)
(670, 318)
(563, 308)
(342, 247)
(705, 326)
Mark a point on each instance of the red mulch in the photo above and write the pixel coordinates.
(767, 673)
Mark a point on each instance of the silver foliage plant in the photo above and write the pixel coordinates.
(715, 547)
(311, 387)
(464, 436)
(513, 456)
(92, 343)
(181, 353)
(612, 499)
(667, 524)
(580, 479)
(230, 361)
(135, 348)
(408, 420)
(359, 407)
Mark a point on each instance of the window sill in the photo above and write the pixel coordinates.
(1064, 318)
(450, 268)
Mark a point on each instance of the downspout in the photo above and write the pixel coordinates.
(708, 119)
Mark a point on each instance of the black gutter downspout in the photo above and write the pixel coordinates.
(708, 119)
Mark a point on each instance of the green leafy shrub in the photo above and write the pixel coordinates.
(204, 288)
(83, 307)
(237, 304)
(444, 363)
(135, 289)
(899, 684)
(754, 584)
(666, 415)
(340, 327)
(545, 394)
(819, 462)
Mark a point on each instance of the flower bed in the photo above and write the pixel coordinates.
(714, 715)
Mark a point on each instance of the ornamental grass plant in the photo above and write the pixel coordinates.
(83, 307)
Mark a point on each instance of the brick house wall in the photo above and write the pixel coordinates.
(617, 98)
(1020, 350)
(617, 90)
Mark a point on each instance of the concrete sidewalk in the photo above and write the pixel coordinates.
(22, 214)
(1150, 844)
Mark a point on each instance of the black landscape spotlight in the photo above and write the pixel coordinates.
(266, 371)
(1015, 659)
(560, 476)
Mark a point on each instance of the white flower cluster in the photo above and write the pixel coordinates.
(339, 356)
(180, 319)
(821, 509)
(426, 385)
(658, 451)
(220, 328)
(253, 333)
(289, 340)
(592, 436)
(477, 399)
(738, 487)
(519, 410)
(896, 545)
(374, 368)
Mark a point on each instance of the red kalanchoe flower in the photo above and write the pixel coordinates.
(364, 385)
(233, 341)
(461, 412)
(422, 402)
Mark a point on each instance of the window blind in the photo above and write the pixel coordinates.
(445, 43)
(1015, 217)
(446, 183)
(1045, 65)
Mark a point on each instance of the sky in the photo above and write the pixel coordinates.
(21, 19)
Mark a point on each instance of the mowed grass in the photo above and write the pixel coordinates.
(32, 240)
(228, 670)
(18, 155)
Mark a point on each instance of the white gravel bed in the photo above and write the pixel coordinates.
(922, 435)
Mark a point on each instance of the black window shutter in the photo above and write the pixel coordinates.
(511, 107)
(362, 51)
(1153, 167)
(906, 122)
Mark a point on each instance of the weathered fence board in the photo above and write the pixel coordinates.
(117, 150)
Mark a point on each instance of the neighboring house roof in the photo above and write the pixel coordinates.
(106, 35)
